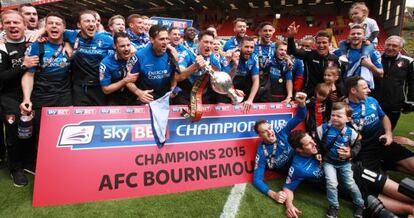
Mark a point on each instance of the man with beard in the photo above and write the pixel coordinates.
(274, 151)
(306, 167)
(13, 65)
(136, 30)
(192, 67)
(378, 150)
(154, 68)
(115, 72)
(240, 27)
(246, 75)
(359, 65)
(398, 77)
(90, 47)
(30, 16)
(315, 60)
(189, 39)
(116, 24)
(47, 84)
(280, 76)
(265, 51)
(31, 19)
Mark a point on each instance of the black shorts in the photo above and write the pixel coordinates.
(394, 153)
(88, 95)
(369, 182)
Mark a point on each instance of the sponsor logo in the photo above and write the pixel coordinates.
(79, 135)
(133, 133)
(58, 112)
(110, 111)
(10, 119)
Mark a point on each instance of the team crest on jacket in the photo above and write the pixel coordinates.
(10, 119)
(100, 43)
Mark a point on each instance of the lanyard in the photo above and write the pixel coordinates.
(236, 43)
(76, 44)
(193, 50)
(358, 126)
(54, 56)
(270, 159)
(264, 61)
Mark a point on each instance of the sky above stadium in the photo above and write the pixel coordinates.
(410, 3)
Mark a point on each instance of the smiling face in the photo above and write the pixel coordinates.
(118, 25)
(246, 49)
(330, 76)
(322, 45)
(281, 51)
(240, 29)
(123, 47)
(392, 47)
(137, 25)
(266, 34)
(14, 26)
(87, 25)
(356, 36)
(175, 37)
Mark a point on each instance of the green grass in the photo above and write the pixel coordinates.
(16, 202)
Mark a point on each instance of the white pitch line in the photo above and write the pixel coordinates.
(233, 201)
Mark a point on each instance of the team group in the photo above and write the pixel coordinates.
(45, 64)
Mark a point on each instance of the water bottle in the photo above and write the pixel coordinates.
(25, 126)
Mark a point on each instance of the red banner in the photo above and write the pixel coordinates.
(99, 153)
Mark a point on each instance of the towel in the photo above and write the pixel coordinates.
(364, 73)
(160, 110)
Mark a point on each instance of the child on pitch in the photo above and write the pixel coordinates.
(332, 79)
(335, 139)
(359, 16)
(316, 106)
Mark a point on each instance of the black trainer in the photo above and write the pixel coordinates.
(18, 177)
(332, 212)
(358, 211)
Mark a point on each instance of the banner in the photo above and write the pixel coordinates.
(99, 153)
(169, 22)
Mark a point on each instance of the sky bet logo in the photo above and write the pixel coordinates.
(106, 134)
(138, 133)
(122, 133)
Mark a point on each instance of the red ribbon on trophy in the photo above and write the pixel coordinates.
(221, 83)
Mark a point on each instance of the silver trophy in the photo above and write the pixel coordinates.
(221, 83)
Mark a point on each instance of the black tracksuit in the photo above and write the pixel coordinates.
(390, 90)
(315, 63)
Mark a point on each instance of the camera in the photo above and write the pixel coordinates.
(375, 208)
(408, 106)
